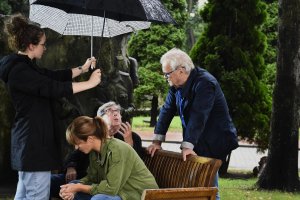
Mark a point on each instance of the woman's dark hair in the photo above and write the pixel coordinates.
(21, 32)
(84, 126)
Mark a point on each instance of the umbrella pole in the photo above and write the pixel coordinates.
(101, 34)
(102, 29)
(92, 37)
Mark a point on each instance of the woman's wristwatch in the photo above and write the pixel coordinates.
(81, 69)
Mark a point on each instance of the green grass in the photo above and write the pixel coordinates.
(240, 185)
(244, 189)
(139, 125)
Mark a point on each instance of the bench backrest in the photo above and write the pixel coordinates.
(170, 171)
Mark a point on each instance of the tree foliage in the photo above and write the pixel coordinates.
(148, 46)
(270, 29)
(194, 25)
(232, 48)
(5, 9)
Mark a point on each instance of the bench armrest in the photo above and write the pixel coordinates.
(203, 193)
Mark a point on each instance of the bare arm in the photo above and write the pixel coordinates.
(94, 80)
(84, 68)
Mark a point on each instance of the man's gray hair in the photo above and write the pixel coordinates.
(102, 109)
(177, 58)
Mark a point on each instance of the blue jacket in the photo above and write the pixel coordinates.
(207, 126)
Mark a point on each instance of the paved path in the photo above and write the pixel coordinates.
(243, 158)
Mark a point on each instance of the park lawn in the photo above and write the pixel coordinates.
(138, 124)
(244, 189)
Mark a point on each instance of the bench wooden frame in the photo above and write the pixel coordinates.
(190, 179)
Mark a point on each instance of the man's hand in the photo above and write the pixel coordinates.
(153, 147)
(71, 174)
(185, 152)
(125, 130)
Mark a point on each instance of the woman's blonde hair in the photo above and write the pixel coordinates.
(84, 126)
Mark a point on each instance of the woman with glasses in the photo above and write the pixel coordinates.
(115, 171)
(34, 150)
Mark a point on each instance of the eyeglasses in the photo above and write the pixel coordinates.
(44, 45)
(168, 74)
(112, 111)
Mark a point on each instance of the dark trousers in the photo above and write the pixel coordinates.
(56, 181)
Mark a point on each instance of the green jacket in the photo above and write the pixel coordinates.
(118, 170)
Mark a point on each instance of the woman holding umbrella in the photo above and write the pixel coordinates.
(34, 151)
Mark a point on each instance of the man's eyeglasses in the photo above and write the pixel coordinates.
(168, 74)
(112, 111)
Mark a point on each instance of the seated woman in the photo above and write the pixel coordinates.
(115, 172)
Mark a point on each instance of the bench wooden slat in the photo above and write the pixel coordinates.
(198, 193)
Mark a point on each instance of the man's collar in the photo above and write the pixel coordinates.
(189, 82)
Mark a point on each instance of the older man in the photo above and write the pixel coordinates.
(198, 99)
(77, 162)
(110, 112)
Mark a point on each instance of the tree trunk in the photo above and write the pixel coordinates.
(190, 32)
(154, 110)
(281, 171)
(224, 167)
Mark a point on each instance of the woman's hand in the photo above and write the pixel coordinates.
(95, 77)
(90, 62)
(67, 191)
(94, 80)
(66, 196)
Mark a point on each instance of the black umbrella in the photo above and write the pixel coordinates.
(120, 10)
(92, 17)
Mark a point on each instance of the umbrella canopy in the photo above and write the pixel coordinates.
(80, 24)
(105, 18)
(120, 10)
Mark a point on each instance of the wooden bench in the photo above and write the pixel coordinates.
(178, 179)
